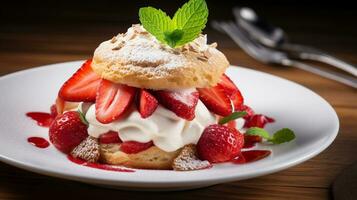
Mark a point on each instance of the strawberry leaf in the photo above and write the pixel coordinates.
(259, 132)
(233, 116)
(282, 136)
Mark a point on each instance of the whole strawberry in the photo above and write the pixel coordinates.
(67, 131)
(219, 143)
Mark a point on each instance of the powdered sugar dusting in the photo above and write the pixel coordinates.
(137, 47)
(184, 95)
(187, 160)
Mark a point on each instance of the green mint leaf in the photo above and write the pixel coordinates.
(156, 22)
(192, 19)
(282, 135)
(233, 116)
(259, 132)
(184, 27)
(172, 37)
(82, 117)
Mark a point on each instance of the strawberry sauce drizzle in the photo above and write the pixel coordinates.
(38, 142)
(43, 119)
(97, 165)
(251, 156)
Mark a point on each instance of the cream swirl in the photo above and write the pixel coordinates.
(167, 131)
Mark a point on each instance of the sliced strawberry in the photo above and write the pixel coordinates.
(147, 103)
(216, 100)
(109, 138)
(232, 91)
(237, 99)
(134, 147)
(229, 87)
(258, 120)
(82, 86)
(182, 103)
(112, 101)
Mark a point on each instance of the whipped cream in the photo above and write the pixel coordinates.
(167, 131)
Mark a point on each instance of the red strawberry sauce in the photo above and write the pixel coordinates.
(251, 156)
(42, 118)
(97, 165)
(38, 142)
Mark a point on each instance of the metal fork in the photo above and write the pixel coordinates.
(272, 56)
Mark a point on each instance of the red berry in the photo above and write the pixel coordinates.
(134, 147)
(82, 86)
(258, 121)
(219, 143)
(67, 131)
(109, 138)
(147, 103)
(216, 100)
(231, 91)
(182, 103)
(112, 101)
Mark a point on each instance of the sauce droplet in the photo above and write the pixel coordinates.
(97, 165)
(38, 142)
(251, 156)
(42, 119)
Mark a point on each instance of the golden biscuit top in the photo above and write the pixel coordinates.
(138, 59)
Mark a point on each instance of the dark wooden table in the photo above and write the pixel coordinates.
(26, 45)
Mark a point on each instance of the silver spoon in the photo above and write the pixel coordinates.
(274, 37)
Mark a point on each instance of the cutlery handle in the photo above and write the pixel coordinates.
(347, 80)
(305, 52)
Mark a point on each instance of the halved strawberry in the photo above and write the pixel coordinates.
(216, 100)
(237, 100)
(147, 103)
(182, 102)
(82, 86)
(112, 101)
(109, 138)
(229, 87)
(231, 90)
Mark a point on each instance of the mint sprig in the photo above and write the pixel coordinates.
(185, 26)
(233, 116)
(281, 136)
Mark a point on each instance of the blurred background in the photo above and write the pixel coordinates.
(69, 30)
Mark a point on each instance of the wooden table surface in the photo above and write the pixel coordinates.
(27, 45)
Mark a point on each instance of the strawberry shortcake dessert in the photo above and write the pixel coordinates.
(154, 100)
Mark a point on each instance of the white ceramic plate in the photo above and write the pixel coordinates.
(310, 116)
